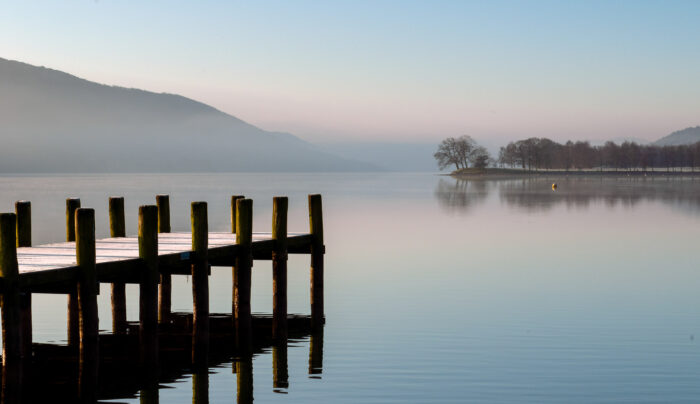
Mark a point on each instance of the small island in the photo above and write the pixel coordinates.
(545, 157)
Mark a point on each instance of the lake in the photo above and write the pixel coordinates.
(438, 290)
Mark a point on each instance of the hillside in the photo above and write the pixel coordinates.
(51, 121)
(685, 136)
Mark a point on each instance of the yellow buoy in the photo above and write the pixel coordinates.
(554, 186)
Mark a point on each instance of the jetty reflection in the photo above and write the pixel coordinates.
(53, 375)
(535, 194)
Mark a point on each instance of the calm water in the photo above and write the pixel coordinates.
(443, 291)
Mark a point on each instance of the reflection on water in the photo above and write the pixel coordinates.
(536, 194)
(53, 375)
(437, 291)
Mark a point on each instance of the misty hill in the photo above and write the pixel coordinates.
(51, 121)
(680, 137)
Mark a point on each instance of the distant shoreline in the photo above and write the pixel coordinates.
(474, 173)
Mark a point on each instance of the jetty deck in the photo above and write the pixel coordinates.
(79, 265)
(117, 258)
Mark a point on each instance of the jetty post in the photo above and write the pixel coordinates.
(234, 198)
(317, 252)
(242, 270)
(85, 255)
(279, 268)
(117, 228)
(11, 317)
(23, 210)
(148, 288)
(200, 282)
(72, 204)
(165, 290)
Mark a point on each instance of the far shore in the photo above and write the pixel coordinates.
(493, 173)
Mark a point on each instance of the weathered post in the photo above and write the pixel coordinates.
(279, 268)
(242, 271)
(11, 331)
(165, 291)
(87, 303)
(234, 198)
(117, 228)
(23, 210)
(148, 288)
(200, 282)
(72, 204)
(317, 251)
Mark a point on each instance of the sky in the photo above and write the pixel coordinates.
(390, 71)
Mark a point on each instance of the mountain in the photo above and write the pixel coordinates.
(685, 136)
(51, 121)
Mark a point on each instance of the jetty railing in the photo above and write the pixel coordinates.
(78, 266)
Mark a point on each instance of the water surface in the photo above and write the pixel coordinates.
(440, 290)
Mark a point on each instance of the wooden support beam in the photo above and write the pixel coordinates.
(232, 258)
(72, 204)
(117, 228)
(165, 290)
(200, 282)
(148, 290)
(279, 268)
(87, 303)
(234, 199)
(317, 251)
(242, 271)
(11, 318)
(23, 210)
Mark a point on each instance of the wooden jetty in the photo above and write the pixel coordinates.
(78, 266)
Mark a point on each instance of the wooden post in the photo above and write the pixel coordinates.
(200, 282)
(23, 210)
(317, 251)
(117, 228)
(165, 291)
(234, 198)
(279, 268)
(242, 271)
(11, 318)
(87, 303)
(148, 288)
(73, 319)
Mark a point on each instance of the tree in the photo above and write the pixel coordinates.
(458, 152)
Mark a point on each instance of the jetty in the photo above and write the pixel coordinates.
(79, 266)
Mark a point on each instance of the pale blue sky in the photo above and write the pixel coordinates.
(388, 70)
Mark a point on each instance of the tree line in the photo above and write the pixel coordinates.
(542, 153)
(545, 154)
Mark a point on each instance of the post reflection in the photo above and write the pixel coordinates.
(200, 386)
(56, 375)
(316, 354)
(280, 371)
(244, 379)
